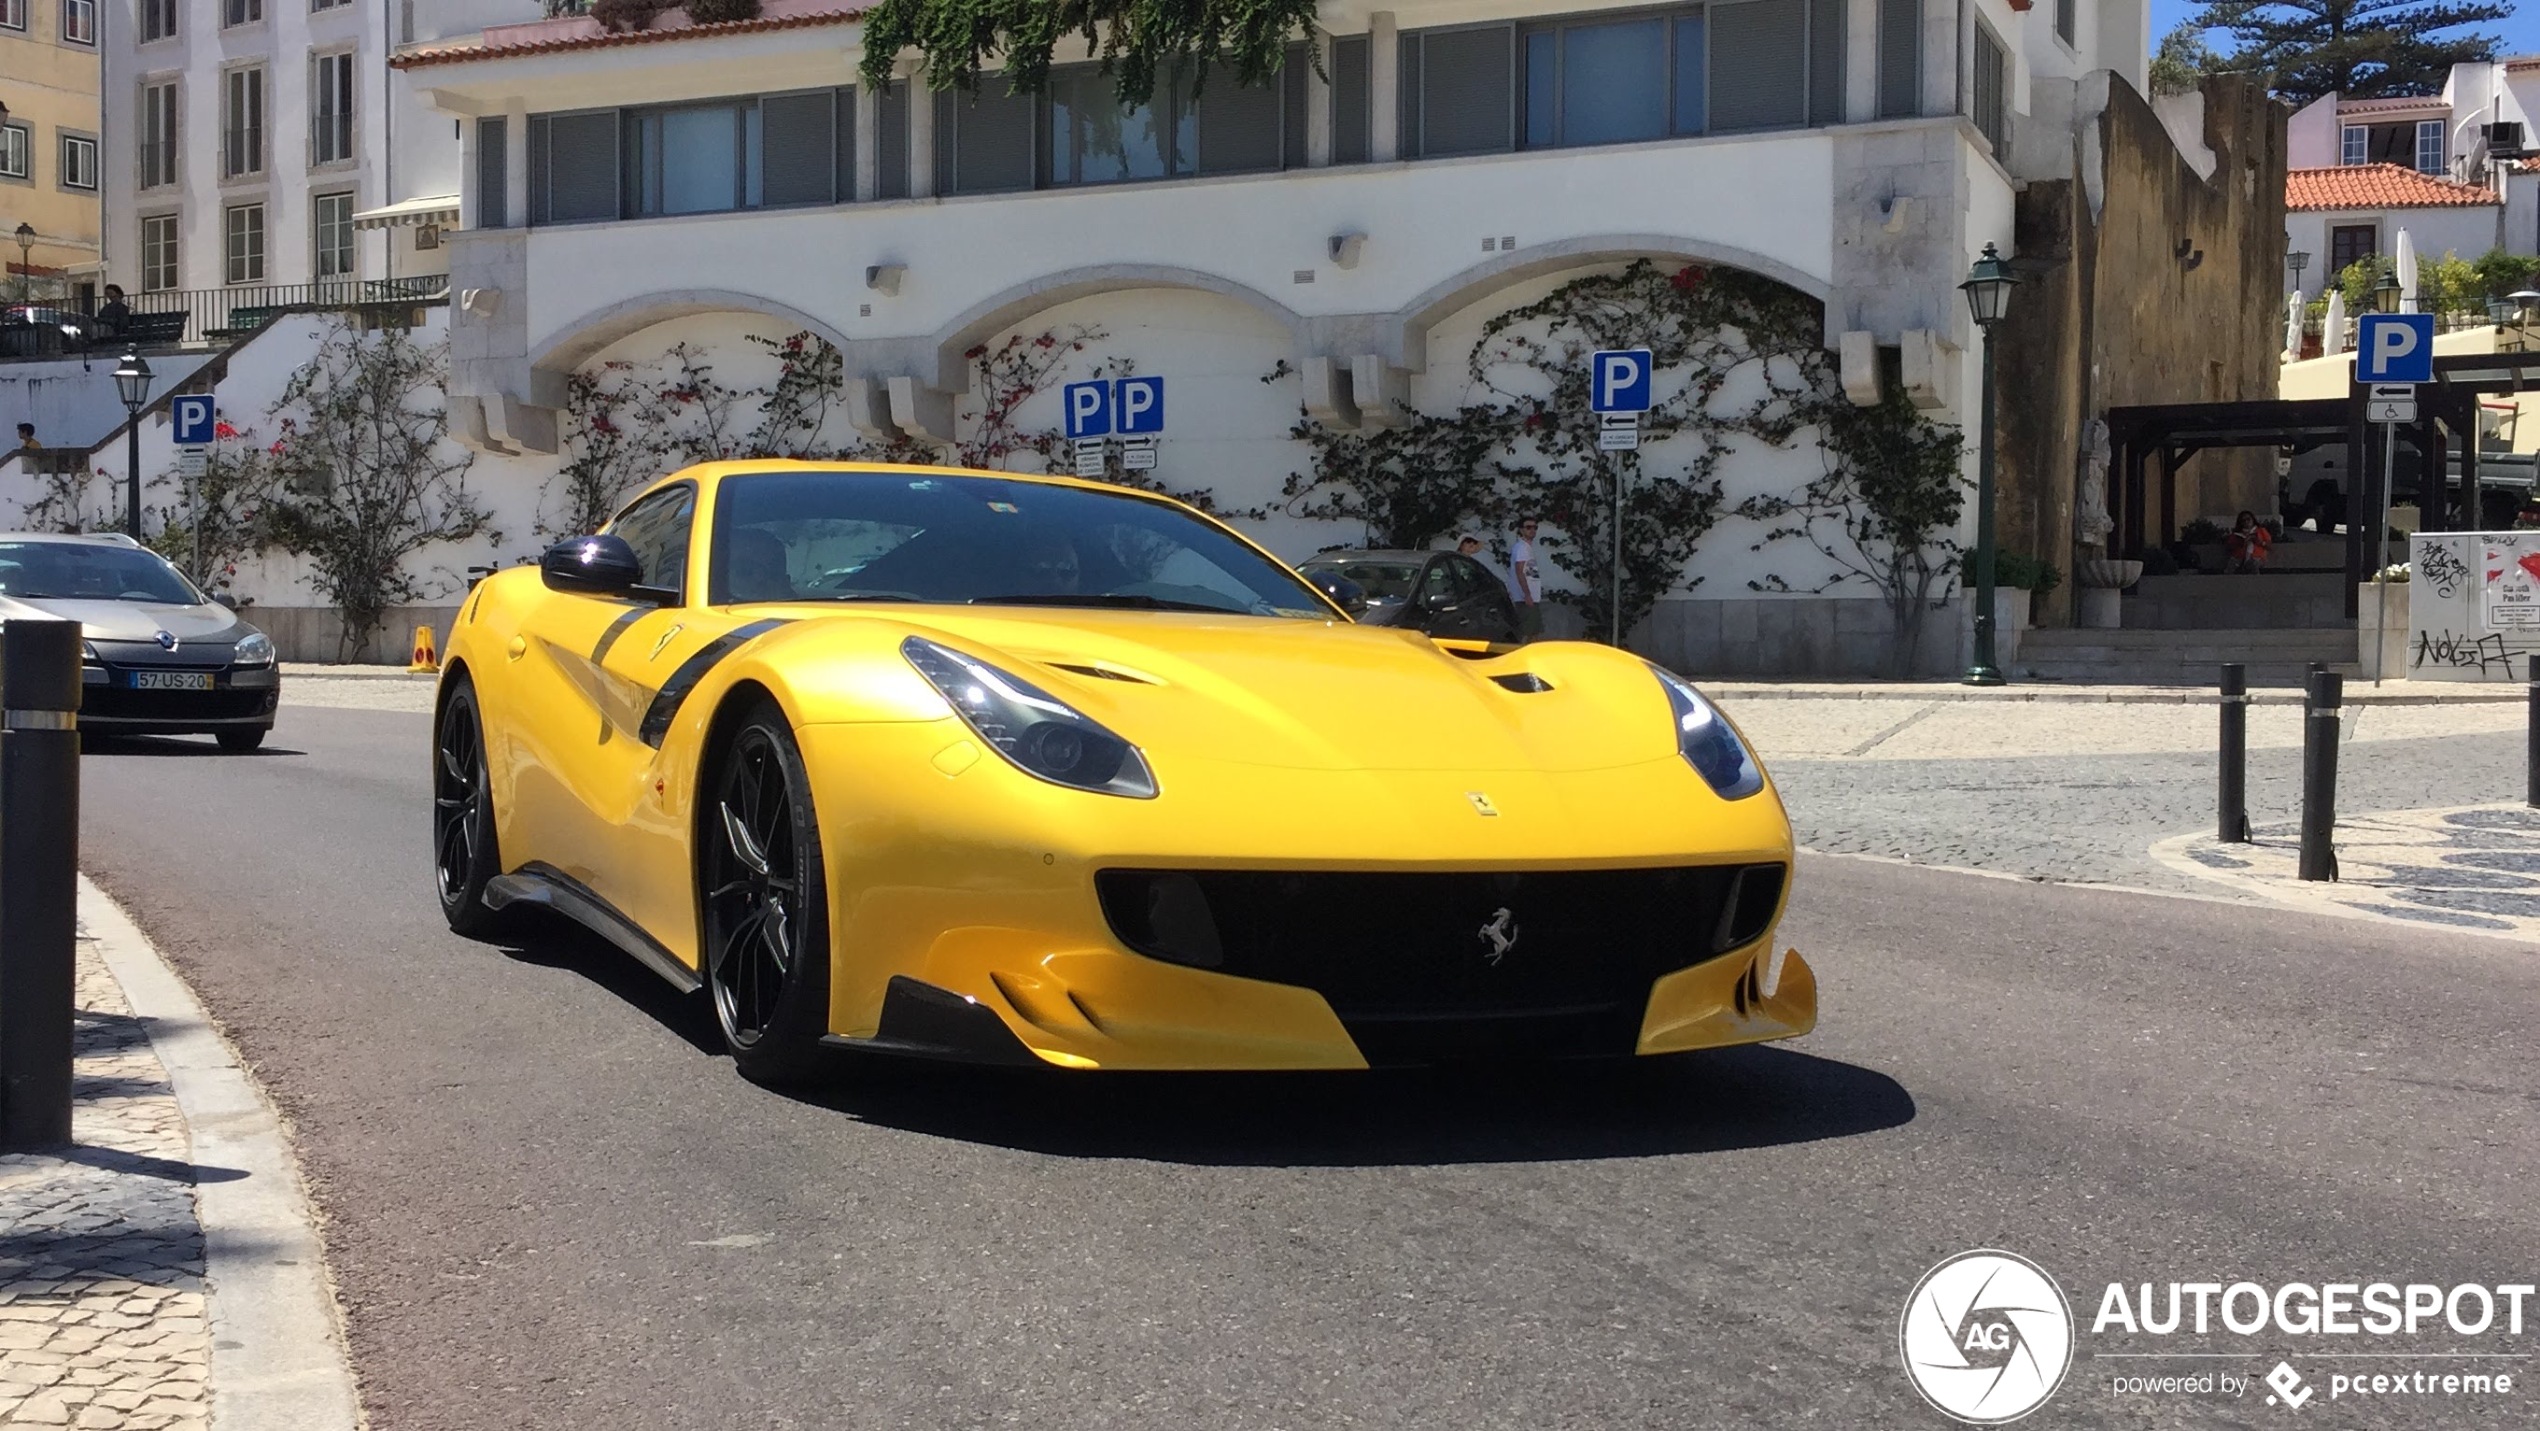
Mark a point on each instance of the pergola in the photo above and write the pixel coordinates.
(2447, 415)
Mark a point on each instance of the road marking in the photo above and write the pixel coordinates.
(1874, 742)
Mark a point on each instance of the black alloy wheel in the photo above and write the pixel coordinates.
(463, 854)
(766, 904)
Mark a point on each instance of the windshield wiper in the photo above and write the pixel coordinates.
(1096, 598)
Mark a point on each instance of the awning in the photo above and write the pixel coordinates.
(441, 210)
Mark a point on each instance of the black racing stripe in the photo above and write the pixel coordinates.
(617, 628)
(667, 700)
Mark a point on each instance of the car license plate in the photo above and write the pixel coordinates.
(171, 680)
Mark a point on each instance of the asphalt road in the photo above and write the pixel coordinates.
(549, 1203)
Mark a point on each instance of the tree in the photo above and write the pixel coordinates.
(364, 476)
(2183, 59)
(1135, 40)
(2358, 48)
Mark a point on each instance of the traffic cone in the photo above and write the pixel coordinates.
(427, 656)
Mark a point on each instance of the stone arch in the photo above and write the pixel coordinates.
(578, 342)
(1001, 311)
(1405, 339)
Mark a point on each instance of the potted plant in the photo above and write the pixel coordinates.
(2381, 623)
(2031, 576)
(2203, 538)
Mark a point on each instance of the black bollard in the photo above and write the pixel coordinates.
(39, 877)
(2319, 774)
(2232, 804)
(2531, 748)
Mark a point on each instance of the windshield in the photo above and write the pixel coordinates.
(911, 536)
(1381, 580)
(79, 571)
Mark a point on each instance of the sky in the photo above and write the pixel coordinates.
(2520, 33)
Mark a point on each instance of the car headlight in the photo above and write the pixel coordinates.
(1708, 742)
(254, 649)
(1040, 734)
(88, 655)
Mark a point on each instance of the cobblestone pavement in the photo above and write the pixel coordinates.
(2476, 868)
(102, 1318)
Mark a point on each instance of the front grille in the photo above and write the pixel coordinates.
(1423, 967)
(106, 702)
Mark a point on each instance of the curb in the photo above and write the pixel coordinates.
(278, 1359)
(2465, 694)
(326, 670)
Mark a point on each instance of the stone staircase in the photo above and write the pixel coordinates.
(2275, 655)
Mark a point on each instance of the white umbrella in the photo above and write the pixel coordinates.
(2333, 326)
(2407, 265)
(2293, 325)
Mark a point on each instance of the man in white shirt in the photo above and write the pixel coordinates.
(1522, 579)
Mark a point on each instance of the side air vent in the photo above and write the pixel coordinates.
(1523, 682)
(1100, 673)
(1753, 898)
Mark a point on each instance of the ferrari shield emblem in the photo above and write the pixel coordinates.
(1481, 803)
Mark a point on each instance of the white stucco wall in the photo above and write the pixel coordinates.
(2467, 231)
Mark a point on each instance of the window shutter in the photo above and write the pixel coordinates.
(843, 145)
(947, 140)
(1759, 65)
(1350, 99)
(1407, 91)
(798, 139)
(581, 153)
(991, 137)
(891, 119)
(1985, 103)
(1240, 129)
(1825, 61)
(541, 211)
(1900, 58)
(1292, 101)
(1467, 90)
(493, 172)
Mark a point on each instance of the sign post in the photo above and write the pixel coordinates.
(2394, 353)
(1619, 380)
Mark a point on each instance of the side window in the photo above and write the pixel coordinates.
(1478, 584)
(657, 528)
(1437, 584)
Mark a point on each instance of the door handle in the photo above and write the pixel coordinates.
(518, 648)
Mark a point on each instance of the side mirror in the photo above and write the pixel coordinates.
(592, 566)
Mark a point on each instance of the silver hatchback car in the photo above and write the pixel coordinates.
(158, 656)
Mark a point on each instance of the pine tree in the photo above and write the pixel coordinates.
(2358, 48)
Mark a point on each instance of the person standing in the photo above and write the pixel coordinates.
(1523, 582)
(26, 438)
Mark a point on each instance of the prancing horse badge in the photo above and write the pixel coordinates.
(1481, 803)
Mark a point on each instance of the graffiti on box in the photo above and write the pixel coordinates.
(2473, 606)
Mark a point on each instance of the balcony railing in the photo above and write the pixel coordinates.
(196, 316)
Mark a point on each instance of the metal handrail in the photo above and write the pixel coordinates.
(214, 315)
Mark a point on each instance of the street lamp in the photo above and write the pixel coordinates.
(26, 259)
(1988, 289)
(2298, 260)
(2385, 292)
(132, 384)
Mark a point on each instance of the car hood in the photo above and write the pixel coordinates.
(140, 622)
(1316, 694)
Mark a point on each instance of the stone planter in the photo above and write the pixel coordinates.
(2097, 604)
(2389, 600)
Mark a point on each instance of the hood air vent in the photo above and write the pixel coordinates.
(1523, 682)
(1100, 673)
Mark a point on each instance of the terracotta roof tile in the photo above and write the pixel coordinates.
(464, 54)
(2377, 186)
(2398, 101)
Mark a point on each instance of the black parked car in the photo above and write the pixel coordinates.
(1441, 593)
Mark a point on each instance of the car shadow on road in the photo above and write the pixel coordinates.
(1627, 1108)
(173, 745)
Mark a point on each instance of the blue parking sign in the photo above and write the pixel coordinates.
(193, 418)
(2395, 348)
(1141, 405)
(1088, 409)
(1619, 380)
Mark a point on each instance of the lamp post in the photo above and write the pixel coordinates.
(1988, 289)
(26, 260)
(2385, 292)
(2298, 260)
(132, 384)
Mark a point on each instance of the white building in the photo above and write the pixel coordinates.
(2446, 167)
(262, 143)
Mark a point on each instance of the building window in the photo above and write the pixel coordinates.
(493, 172)
(1900, 58)
(241, 12)
(156, 150)
(12, 14)
(807, 148)
(79, 162)
(700, 159)
(331, 109)
(242, 123)
(79, 21)
(158, 253)
(1351, 99)
(332, 216)
(2351, 142)
(1458, 91)
(244, 246)
(2064, 19)
(573, 168)
(1986, 102)
(334, 5)
(1609, 83)
(2350, 244)
(1093, 138)
(17, 150)
(2430, 147)
(158, 20)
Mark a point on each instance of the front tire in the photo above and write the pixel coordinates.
(464, 855)
(239, 742)
(766, 903)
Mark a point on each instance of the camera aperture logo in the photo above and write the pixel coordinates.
(1987, 1337)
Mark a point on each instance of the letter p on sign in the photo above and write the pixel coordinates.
(2396, 348)
(1088, 408)
(1618, 380)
